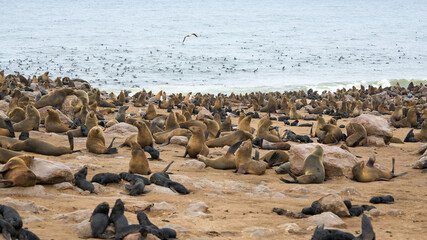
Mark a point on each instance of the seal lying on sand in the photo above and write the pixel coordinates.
(368, 172)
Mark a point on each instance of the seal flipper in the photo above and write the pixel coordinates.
(233, 148)
(110, 149)
(288, 181)
(256, 157)
(10, 128)
(392, 171)
(71, 140)
(367, 229)
(218, 134)
(167, 167)
(241, 170)
(5, 183)
(318, 232)
(371, 162)
(273, 159)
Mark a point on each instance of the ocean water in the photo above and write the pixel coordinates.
(242, 46)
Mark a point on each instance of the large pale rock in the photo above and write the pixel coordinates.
(31, 95)
(375, 141)
(64, 118)
(81, 229)
(203, 113)
(194, 164)
(179, 140)
(35, 191)
(337, 161)
(50, 172)
(27, 206)
(4, 106)
(259, 232)
(327, 219)
(69, 105)
(163, 206)
(122, 129)
(76, 216)
(374, 125)
(334, 203)
(3, 115)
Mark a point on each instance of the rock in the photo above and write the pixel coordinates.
(290, 227)
(374, 125)
(181, 178)
(335, 204)
(337, 161)
(68, 107)
(197, 210)
(3, 115)
(28, 219)
(375, 212)
(259, 232)
(82, 229)
(76, 216)
(141, 206)
(350, 191)
(203, 113)
(261, 190)
(420, 162)
(28, 206)
(194, 164)
(4, 106)
(64, 118)
(328, 219)
(233, 185)
(35, 191)
(163, 206)
(50, 172)
(299, 189)
(63, 186)
(278, 195)
(179, 140)
(122, 129)
(395, 212)
(31, 95)
(99, 188)
(157, 189)
(204, 182)
(375, 141)
(176, 227)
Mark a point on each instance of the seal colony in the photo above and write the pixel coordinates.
(243, 141)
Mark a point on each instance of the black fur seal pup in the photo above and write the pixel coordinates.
(27, 235)
(325, 234)
(11, 216)
(162, 179)
(81, 182)
(99, 221)
(162, 233)
(106, 178)
(7, 230)
(136, 187)
(121, 225)
(130, 176)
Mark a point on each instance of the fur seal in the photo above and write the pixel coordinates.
(358, 137)
(294, 115)
(10, 216)
(138, 162)
(53, 123)
(368, 172)
(16, 172)
(320, 123)
(212, 128)
(324, 234)
(150, 114)
(164, 137)
(121, 114)
(422, 135)
(106, 178)
(81, 182)
(162, 233)
(41, 147)
(244, 162)
(55, 98)
(143, 137)
(224, 162)
(8, 130)
(5, 155)
(136, 188)
(130, 176)
(99, 221)
(229, 139)
(275, 158)
(7, 142)
(264, 144)
(263, 130)
(162, 179)
(332, 134)
(226, 125)
(95, 142)
(171, 122)
(314, 171)
(196, 145)
(245, 124)
(31, 121)
(91, 120)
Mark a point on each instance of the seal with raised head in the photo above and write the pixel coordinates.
(81, 182)
(368, 172)
(95, 142)
(138, 162)
(121, 114)
(227, 161)
(16, 172)
(325, 234)
(31, 121)
(99, 221)
(314, 171)
(332, 134)
(196, 145)
(162, 179)
(245, 163)
(263, 130)
(53, 123)
(143, 137)
(358, 137)
(55, 98)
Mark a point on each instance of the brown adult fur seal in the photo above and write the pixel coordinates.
(150, 113)
(314, 171)
(226, 125)
(53, 123)
(245, 124)
(164, 137)
(227, 161)
(95, 142)
(358, 137)
(264, 144)
(196, 123)
(55, 98)
(196, 145)
(143, 137)
(32, 120)
(422, 135)
(7, 142)
(171, 122)
(138, 163)
(17, 174)
(263, 130)
(212, 127)
(294, 115)
(368, 172)
(5, 155)
(245, 163)
(41, 147)
(275, 157)
(229, 139)
(332, 134)
(320, 124)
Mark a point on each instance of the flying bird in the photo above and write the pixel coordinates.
(189, 35)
